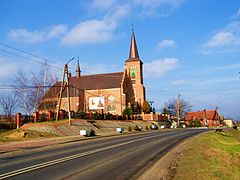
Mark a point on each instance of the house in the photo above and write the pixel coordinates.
(105, 93)
(206, 117)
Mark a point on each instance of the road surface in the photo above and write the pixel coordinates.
(121, 157)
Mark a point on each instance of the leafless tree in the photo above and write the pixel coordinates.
(172, 106)
(31, 88)
(8, 104)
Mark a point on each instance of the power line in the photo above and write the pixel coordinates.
(41, 59)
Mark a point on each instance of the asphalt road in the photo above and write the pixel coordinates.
(121, 157)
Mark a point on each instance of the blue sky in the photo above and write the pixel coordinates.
(190, 47)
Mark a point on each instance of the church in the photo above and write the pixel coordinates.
(105, 93)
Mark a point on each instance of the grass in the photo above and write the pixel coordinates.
(211, 156)
(22, 134)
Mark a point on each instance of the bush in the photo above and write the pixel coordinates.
(147, 128)
(92, 132)
(129, 129)
(80, 115)
(98, 116)
(110, 116)
(43, 117)
(127, 111)
(137, 128)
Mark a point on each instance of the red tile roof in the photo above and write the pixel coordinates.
(210, 114)
(88, 82)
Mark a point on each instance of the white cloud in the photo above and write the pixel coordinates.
(26, 36)
(221, 39)
(160, 67)
(92, 31)
(56, 31)
(226, 67)
(166, 43)
(96, 31)
(157, 7)
(102, 4)
(228, 36)
(179, 82)
(7, 69)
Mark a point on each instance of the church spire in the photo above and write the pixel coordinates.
(78, 71)
(133, 54)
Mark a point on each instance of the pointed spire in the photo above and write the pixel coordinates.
(133, 54)
(78, 71)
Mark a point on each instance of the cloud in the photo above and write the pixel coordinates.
(157, 7)
(92, 31)
(26, 36)
(179, 82)
(229, 36)
(160, 67)
(226, 67)
(166, 43)
(7, 69)
(96, 31)
(221, 39)
(102, 4)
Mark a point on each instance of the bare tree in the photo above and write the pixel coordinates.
(172, 106)
(31, 88)
(8, 105)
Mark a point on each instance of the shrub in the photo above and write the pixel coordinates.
(147, 128)
(110, 116)
(129, 129)
(137, 128)
(43, 117)
(127, 111)
(98, 116)
(81, 115)
(92, 132)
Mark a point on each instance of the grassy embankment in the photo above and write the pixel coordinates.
(211, 156)
(21, 135)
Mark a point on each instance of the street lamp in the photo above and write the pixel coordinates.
(151, 102)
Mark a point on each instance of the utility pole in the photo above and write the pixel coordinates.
(64, 84)
(179, 110)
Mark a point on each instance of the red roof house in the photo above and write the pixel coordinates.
(206, 117)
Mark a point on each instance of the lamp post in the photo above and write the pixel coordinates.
(151, 103)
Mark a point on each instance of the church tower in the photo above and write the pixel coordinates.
(134, 69)
(78, 71)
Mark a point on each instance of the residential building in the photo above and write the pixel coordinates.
(206, 117)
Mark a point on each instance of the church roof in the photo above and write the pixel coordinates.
(97, 81)
(88, 82)
(133, 53)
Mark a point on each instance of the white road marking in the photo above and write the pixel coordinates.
(60, 160)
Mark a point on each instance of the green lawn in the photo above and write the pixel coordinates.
(211, 156)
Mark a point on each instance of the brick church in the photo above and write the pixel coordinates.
(107, 93)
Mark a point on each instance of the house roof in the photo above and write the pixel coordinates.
(87, 82)
(210, 114)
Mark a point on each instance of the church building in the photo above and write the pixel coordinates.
(107, 93)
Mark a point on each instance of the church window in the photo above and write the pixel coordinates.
(133, 73)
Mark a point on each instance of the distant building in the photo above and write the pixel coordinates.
(107, 93)
(206, 117)
(228, 122)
